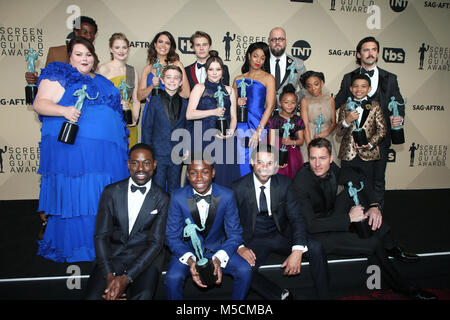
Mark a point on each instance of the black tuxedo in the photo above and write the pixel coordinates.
(330, 224)
(192, 77)
(290, 230)
(387, 88)
(136, 253)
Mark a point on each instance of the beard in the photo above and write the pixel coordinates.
(278, 53)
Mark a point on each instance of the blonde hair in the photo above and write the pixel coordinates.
(118, 36)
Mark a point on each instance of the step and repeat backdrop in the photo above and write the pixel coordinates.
(414, 44)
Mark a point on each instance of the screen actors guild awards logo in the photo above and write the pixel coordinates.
(2, 151)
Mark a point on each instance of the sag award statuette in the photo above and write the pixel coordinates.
(69, 129)
(292, 70)
(362, 227)
(318, 122)
(242, 112)
(31, 89)
(156, 91)
(397, 133)
(221, 122)
(205, 267)
(123, 89)
(287, 126)
(359, 134)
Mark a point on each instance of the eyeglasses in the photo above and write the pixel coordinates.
(277, 39)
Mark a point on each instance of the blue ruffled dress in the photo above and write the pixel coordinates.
(73, 176)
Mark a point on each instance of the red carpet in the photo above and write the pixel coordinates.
(442, 294)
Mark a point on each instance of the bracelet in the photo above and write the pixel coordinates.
(260, 127)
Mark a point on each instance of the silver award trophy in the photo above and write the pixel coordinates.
(221, 122)
(283, 151)
(362, 227)
(242, 111)
(359, 134)
(158, 66)
(127, 116)
(31, 89)
(69, 129)
(397, 133)
(205, 267)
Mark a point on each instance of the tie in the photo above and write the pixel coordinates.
(277, 74)
(141, 189)
(369, 73)
(200, 65)
(263, 203)
(198, 197)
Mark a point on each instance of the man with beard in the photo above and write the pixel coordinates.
(384, 85)
(281, 63)
(129, 233)
(272, 222)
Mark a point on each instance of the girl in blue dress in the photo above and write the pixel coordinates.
(73, 176)
(203, 110)
(162, 47)
(260, 101)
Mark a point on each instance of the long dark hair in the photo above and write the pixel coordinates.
(88, 45)
(171, 56)
(254, 46)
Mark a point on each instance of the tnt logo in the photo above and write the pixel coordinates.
(394, 55)
(398, 5)
(184, 45)
(301, 49)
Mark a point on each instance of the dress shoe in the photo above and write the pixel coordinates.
(420, 294)
(287, 295)
(398, 253)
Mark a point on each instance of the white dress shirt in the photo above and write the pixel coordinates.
(135, 201)
(203, 208)
(258, 190)
(200, 73)
(373, 81)
(282, 63)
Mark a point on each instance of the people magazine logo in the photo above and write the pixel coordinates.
(19, 159)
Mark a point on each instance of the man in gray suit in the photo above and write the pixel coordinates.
(281, 63)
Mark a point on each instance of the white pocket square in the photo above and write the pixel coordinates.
(154, 211)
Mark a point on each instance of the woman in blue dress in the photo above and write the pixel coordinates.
(73, 176)
(162, 47)
(203, 109)
(259, 100)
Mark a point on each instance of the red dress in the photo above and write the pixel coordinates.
(295, 159)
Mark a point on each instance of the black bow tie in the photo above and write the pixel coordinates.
(200, 65)
(369, 73)
(141, 189)
(362, 102)
(198, 197)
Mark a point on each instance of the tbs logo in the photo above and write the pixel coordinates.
(394, 55)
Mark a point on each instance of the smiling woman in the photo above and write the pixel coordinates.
(73, 176)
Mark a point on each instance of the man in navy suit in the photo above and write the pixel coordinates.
(272, 221)
(196, 73)
(213, 206)
(129, 233)
(166, 113)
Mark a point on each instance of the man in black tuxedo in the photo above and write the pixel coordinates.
(129, 233)
(201, 43)
(329, 213)
(272, 222)
(281, 63)
(384, 86)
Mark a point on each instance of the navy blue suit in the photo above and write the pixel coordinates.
(223, 232)
(156, 132)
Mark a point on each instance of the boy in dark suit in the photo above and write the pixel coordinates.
(166, 113)
(129, 233)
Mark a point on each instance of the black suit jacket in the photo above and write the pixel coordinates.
(190, 72)
(285, 208)
(116, 249)
(309, 194)
(387, 88)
